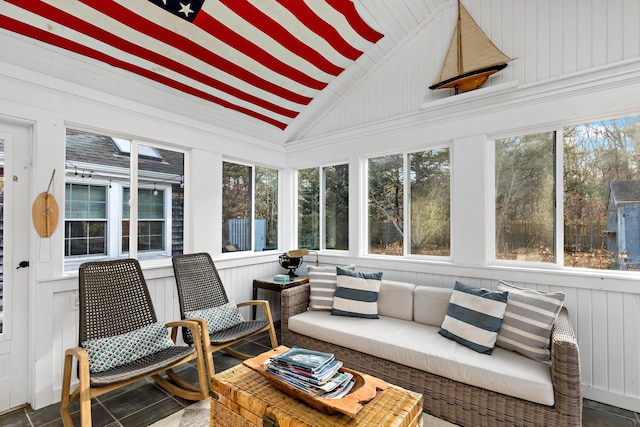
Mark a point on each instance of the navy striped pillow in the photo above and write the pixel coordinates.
(474, 317)
(356, 294)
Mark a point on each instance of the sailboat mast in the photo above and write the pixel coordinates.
(459, 24)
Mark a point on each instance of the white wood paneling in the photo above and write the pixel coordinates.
(547, 38)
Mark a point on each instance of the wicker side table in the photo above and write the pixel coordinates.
(241, 397)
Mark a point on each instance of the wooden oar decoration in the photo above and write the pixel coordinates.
(44, 211)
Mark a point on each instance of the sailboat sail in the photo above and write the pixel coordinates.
(472, 57)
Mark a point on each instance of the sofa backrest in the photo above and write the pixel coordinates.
(396, 299)
(430, 304)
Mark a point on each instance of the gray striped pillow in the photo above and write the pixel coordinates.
(322, 286)
(528, 320)
(356, 294)
(474, 317)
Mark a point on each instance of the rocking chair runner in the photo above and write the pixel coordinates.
(115, 303)
(200, 288)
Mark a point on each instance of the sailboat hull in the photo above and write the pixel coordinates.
(469, 81)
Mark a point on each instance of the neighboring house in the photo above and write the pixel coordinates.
(97, 196)
(623, 224)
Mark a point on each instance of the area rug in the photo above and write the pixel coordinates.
(197, 415)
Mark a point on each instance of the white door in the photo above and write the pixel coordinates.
(15, 227)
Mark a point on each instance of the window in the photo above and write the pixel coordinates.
(602, 194)
(386, 205)
(266, 223)
(86, 220)
(309, 208)
(323, 216)
(98, 198)
(151, 221)
(428, 203)
(525, 197)
(336, 207)
(238, 201)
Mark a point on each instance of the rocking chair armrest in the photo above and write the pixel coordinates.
(263, 303)
(78, 353)
(196, 325)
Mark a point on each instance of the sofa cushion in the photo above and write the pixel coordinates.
(528, 320)
(356, 294)
(430, 304)
(421, 347)
(322, 286)
(474, 317)
(396, 299)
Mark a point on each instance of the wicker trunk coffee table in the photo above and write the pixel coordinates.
(240, 397)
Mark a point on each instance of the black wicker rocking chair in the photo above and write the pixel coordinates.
(200, 288)
(115, 303)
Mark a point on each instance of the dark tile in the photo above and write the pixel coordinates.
(597, 418)
(46, 415)
(611, 409)
(132, 401)
(152, 413)
(16, 418)
(223, 361)
(100, 417)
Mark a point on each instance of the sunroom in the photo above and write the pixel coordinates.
(510, 181)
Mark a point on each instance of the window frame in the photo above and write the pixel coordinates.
(322, 207)
(406, 186)
(252, 219)
(116, 178)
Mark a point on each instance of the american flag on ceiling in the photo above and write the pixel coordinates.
(264, 58)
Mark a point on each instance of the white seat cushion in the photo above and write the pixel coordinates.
(420, 346)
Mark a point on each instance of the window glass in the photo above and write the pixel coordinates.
(430, 202)
(266, 216)
(336, 211)
(385, 206)
(237, 188)
(85, 220)
(309, 208)
(525, 198)
(602, 194)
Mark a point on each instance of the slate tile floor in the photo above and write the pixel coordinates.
(144, 403)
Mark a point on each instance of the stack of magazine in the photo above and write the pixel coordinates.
(314, 372)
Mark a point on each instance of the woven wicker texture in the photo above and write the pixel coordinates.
(456, 402)
(200, 287)
(241, 397)
(113, 299)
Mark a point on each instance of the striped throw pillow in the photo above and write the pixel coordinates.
(474, 317)
(528, 321)
(322, 286)
(356, 294)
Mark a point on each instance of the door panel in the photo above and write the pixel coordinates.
(15, 228)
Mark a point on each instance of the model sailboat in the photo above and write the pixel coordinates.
(471, 57)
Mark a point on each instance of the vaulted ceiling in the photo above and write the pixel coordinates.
(269, 68)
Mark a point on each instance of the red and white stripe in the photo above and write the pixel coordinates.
(264, 58)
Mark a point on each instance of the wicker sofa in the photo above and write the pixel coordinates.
(449, 399)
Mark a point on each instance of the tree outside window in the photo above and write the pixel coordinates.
(525, 197)
(309, 208)
(336, 207)
(240, 204)
(266, 201)
(602, 194)
(386, 205)
(430, 202)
